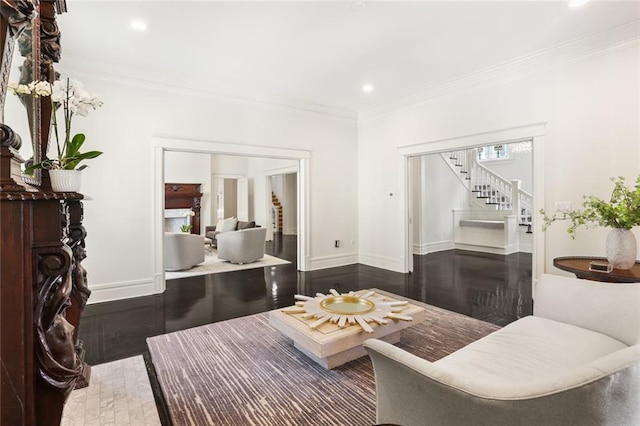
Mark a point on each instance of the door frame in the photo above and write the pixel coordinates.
(534, 132)
(267, 180)
(160, 145)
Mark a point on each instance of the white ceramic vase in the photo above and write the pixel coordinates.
(621, 248)
(65, 180)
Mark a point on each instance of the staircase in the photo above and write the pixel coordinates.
(489, 191)
(277, 213)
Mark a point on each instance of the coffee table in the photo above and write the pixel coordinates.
(331, 346)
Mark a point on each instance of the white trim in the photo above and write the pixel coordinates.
(167, 84)
(426, 248)
(286, 170)
(487, 249)
(160, 144)
(383, 262)
(538, 203)
(333, 261)
(508, 135)
(566, 53)
(534, 132)
(121, 290)
(226, 148)
(229, 176)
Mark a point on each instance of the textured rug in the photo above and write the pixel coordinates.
(244, 372)
(119, 393)
(213, 265)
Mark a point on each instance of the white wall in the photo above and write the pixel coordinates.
(592, 133)
(442, 192)
(187, 167)
(118, 219)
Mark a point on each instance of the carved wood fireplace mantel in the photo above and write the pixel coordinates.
(184, 196)
(43, 285)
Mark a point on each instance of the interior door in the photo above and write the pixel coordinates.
(243, 199)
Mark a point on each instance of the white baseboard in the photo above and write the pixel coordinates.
(427, 248)
(486, 249)
(383, 262)
(122, 290)
(332, 261)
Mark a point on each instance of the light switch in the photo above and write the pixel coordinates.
(563, 205)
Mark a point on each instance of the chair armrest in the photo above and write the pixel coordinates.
(209, 228)
(410, 390)
(608, 308)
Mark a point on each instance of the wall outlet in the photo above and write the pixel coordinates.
(563, 205)
(337, 244)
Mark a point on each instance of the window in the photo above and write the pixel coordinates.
(493, 152)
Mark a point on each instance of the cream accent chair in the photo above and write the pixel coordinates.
(182, 251)
(244, 246)
(576, 361)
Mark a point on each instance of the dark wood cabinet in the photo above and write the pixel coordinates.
(43, 286)
(184, 196)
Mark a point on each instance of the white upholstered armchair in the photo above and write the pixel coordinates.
(182, 251)
(576, 361)
(244, 246)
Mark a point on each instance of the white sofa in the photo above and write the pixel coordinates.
(576, 361)
(244, 246)
(182, 250)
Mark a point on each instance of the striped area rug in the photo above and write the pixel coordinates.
(244, 372)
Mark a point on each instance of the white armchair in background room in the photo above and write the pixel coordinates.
(576, 361)
(244, 246)
(182, 250)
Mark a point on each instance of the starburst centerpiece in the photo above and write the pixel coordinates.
(348, 309)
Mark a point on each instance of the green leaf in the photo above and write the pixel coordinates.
(73, 147)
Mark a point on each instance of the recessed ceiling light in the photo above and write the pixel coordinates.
(139, 25)
(577, 3)
(367, 88)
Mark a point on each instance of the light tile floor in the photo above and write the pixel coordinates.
(119, 393)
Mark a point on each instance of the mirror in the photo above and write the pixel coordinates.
(19, 65)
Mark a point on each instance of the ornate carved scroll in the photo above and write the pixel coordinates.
(56, 361)
(80, 292)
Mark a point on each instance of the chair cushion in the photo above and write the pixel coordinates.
(530, 348)
(246, 225)
(226, 225)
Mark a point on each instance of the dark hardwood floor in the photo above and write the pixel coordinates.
(490, 287)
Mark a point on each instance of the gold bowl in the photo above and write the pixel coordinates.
(347, 305)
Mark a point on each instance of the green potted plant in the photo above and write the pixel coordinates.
(187, 221)
(621, 213)
(64, 169)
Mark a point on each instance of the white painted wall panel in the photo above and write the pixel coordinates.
(592, 133)
(119, 216)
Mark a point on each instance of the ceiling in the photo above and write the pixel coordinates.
(320, 53)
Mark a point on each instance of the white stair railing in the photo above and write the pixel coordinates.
(496, 191)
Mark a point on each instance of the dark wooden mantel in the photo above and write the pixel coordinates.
(184, 196)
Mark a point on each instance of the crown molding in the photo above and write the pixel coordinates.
(79, 67)
(580, 49)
